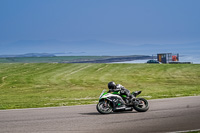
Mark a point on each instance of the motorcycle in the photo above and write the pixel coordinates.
(113, 102)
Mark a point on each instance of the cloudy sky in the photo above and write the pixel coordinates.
(133, 22)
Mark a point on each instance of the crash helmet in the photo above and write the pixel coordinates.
(111, 85)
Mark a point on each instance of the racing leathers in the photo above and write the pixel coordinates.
(123, 91)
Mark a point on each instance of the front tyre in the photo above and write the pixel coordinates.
(141, 105)
(104, 107)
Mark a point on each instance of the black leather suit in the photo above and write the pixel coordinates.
(122, 89)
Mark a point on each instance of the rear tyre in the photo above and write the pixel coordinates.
(104, 107)
(141, 105)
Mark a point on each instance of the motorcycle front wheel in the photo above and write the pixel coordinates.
(141, 105)
(104, 107)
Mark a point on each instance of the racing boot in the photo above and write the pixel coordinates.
(130, 100)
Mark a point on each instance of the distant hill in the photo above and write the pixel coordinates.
(29, 55)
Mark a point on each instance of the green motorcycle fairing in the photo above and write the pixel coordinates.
(115, 93)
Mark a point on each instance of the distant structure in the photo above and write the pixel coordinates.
(167, 57)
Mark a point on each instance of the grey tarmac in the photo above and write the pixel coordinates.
(164, 115)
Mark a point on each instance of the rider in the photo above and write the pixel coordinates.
(123, 91)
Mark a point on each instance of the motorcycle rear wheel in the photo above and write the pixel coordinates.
(104, 108)
(141, 105)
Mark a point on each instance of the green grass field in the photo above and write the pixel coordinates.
(31, 85)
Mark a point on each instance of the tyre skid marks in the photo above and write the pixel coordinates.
(3, 81)
(101, 68)
(67, 73)
(73, 72)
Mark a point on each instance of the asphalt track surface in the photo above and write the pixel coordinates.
(164, 115)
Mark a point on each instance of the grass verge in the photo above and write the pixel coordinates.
(32, 85)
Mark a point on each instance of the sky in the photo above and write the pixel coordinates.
(132, 22)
